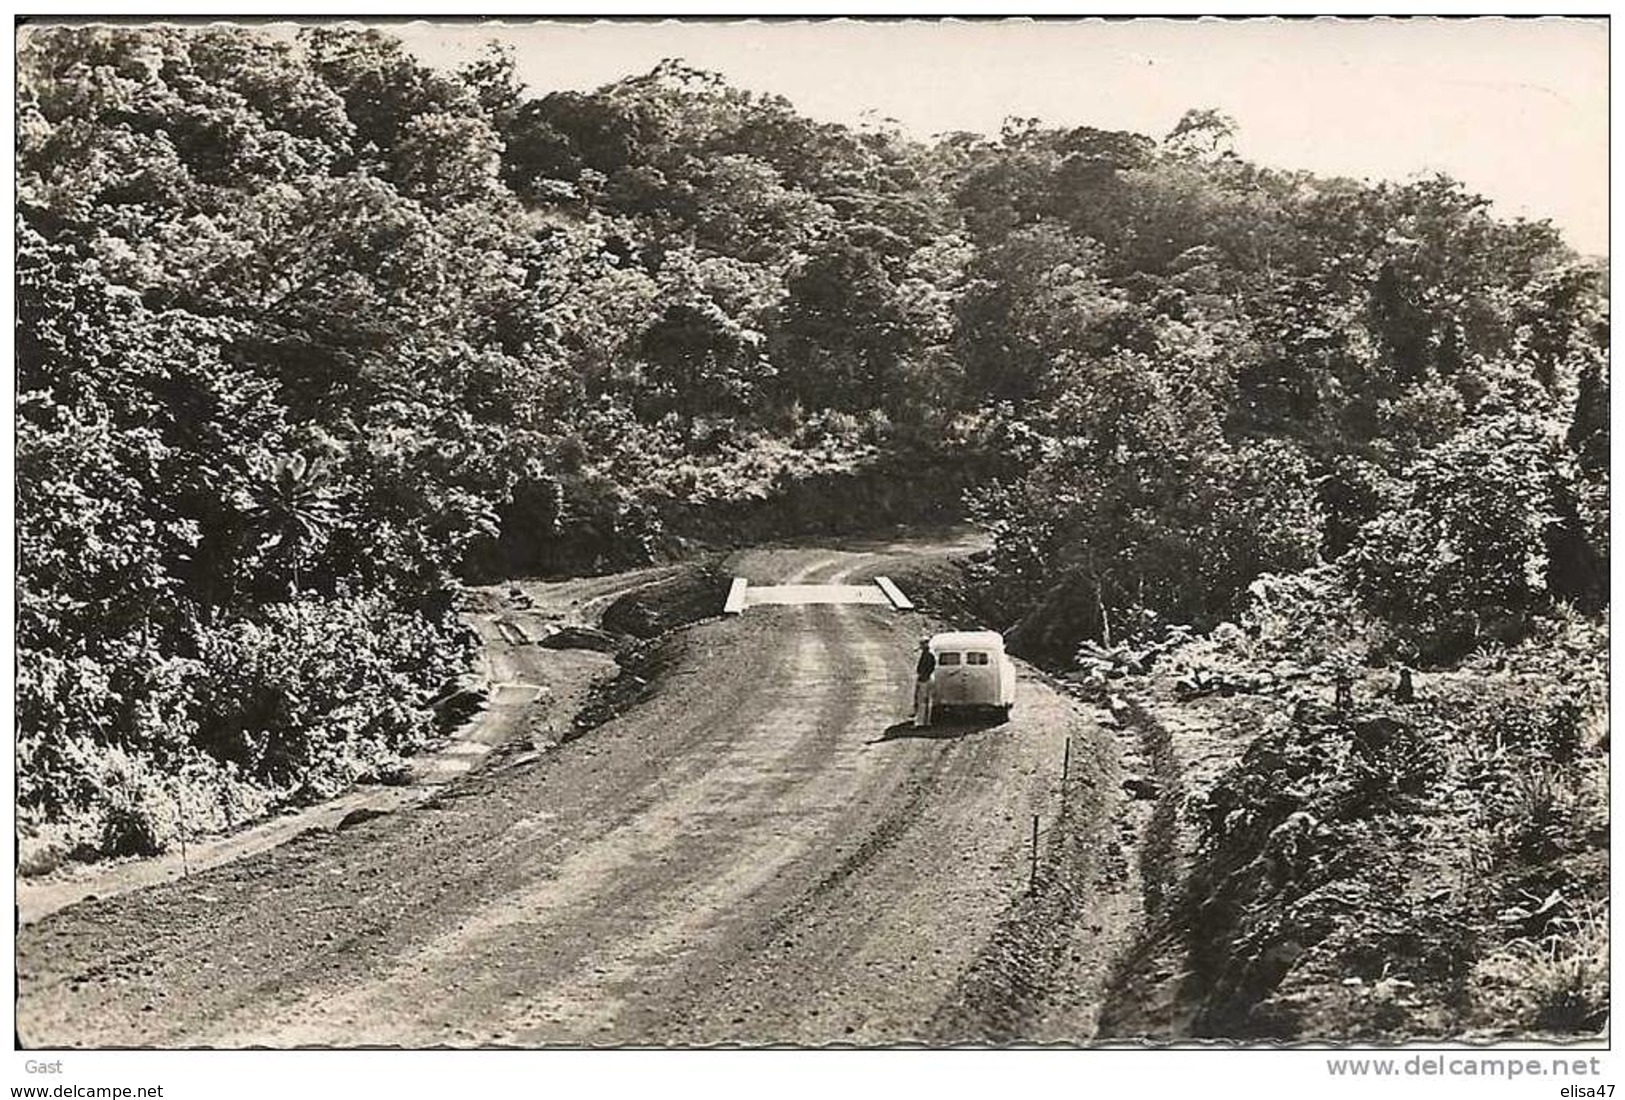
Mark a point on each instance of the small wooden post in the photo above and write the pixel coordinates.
(1066, 760)
(1032, 876)
(1345, 691)
(186, 870)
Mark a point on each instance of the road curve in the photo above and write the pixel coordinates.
(760, 854)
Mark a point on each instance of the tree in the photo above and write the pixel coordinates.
(1032, 302)
(1462, 555)
(1139, 512)
(1202, 132)
(294, 510)
(843, 334)
(446, 159)
(382, 86)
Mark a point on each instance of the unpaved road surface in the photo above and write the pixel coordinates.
(760, 853)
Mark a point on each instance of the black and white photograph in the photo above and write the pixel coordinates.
(543, 534)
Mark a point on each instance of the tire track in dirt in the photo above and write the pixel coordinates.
(707, 1002)
(656, 865)
(906, 909)
(603, 887)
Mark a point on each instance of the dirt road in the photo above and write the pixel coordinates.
(761, 853)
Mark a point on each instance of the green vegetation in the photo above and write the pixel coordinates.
(310, 333)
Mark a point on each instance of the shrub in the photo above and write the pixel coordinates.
(831, 426)
(1548, 728)
(64, 709)
(1278, 773)
(1569, 977)
(1309, 616)
(875, 427)
(139, 816)
(310, 694)
(1389, 760)
(1558, 983)
(1536, 811)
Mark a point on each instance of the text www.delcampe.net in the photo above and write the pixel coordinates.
(1448, 1065)
(89, 1092)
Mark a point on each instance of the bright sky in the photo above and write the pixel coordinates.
(1516, 110)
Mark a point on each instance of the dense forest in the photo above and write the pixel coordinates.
(310, 334)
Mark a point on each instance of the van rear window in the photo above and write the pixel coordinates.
(976, 658)
(947, 658)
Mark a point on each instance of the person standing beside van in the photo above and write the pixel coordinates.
(922, 682)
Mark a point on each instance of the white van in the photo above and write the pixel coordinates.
(972, 671)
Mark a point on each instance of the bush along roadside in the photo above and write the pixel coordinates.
(283, 708)
(1384, 870)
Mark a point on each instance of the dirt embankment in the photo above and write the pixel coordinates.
(1386, 869)
(689, 593)
(1175, 751)
(917, 490)
(647, 618)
